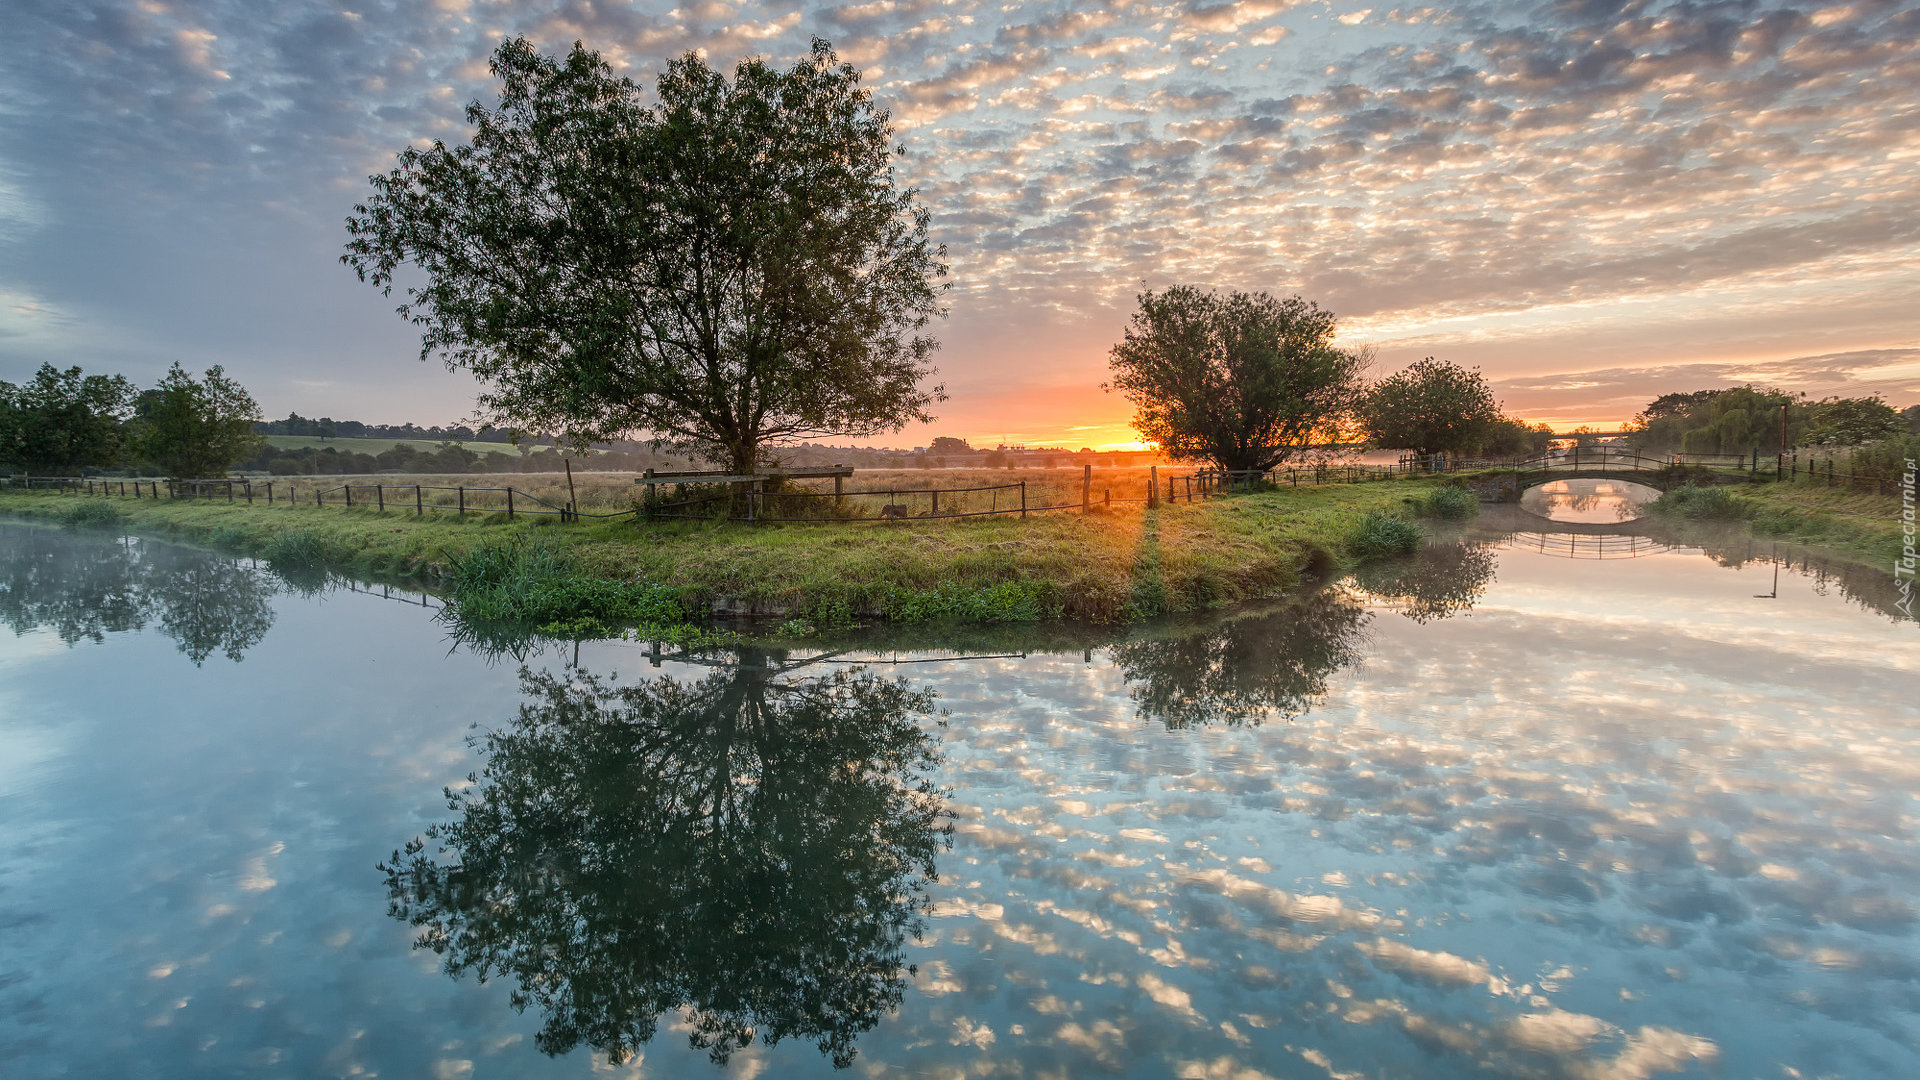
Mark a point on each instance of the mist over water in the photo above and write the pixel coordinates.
(1487, 811)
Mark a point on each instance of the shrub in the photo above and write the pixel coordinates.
(1380, 535)
(1689, 500)
(1448, 504)
(1007, 601)
(538, 583)
(93, 514)
(300, 549)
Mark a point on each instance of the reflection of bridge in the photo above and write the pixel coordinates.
(1596, 545)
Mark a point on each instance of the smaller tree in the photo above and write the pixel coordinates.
(1242, 380)
(1431, 407)
(196, 427)
(63, 421)
(1852, 421)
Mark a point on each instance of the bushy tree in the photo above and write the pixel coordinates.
(1911, 414)
(947, 444)
(727, 267)
(1431, 407)
(1507, 437)
(1241, 380)
(1853, 421)
(63, 421)
(195, 427)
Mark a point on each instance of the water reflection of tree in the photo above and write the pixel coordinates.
(1441, 581)
(1243, 670)
(84, 587)
(750, 850)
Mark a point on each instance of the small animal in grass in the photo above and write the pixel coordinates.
(893, 512)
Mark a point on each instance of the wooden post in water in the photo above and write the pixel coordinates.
(1086, 486)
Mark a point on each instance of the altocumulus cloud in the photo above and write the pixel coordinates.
(1538, 188)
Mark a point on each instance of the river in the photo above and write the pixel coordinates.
(1532, 804)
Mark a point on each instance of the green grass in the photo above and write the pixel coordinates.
(1448, 503)
(1121, 566)
(1380, 536)
(1700, 503)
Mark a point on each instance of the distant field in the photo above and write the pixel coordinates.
(376, 446)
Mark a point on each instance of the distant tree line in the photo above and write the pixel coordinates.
(64, 421)
(1741, 419)
(445, 458)
(326, 427)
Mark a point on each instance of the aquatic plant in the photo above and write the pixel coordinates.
(1689, 500)
(1379, 535)
(538, 582)
(1448, 504)
(94, 514)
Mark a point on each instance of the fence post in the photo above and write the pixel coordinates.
(1153, 486)
(1086, 486)
(463, 500)
(935, 512)
(317, 500)
(380, 496)
(269, 493)
(509, 504)
(419, 504)
(573, 501)
(348, 488)
(249, 484)
(229, 492)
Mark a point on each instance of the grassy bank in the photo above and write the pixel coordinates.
(1861, 526)
(1120, 566)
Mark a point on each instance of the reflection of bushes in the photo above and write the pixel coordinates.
(1380, 535)
(1442, 580)
(83, 588)
(1244, 670)
(1448, 504)
(749, 850)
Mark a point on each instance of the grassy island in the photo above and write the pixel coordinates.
(1117, 566)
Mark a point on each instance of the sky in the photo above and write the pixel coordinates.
(1591, 202)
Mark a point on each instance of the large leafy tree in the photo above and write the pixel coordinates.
(1242, 380)
(195, 427)
(63, 421)
(1431, 407)
(729, 267)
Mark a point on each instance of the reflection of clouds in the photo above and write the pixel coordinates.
(1557, 835)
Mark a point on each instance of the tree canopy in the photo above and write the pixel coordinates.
(1242, 380)
(727, 268)
(63, 421)
(195, 427)
(1431, 407)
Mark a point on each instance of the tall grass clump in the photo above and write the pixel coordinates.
(1379, 535)
(1004, 602)
(94, 514)
(538, 583)
(1886, 459)
(1448, 504)
(1689, 500)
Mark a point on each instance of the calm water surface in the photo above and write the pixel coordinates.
(1490, 812)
